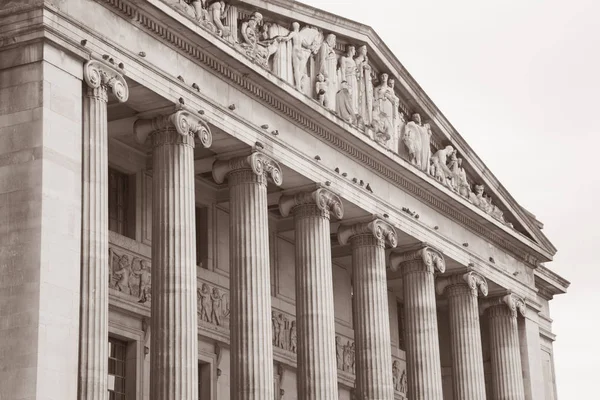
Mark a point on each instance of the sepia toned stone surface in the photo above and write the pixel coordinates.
(314, 291)
(251, 332)
(371, 313)
(422, 346)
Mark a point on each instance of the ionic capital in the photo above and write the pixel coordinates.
(383, 232)
(473, 280)
(96, 74)
(258, 162)
(183, 121)
(325, 200)
(513, 303)
(426, 256)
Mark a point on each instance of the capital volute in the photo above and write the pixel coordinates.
(431, 259)
(96, 74)
(475, 282)
(324, 199)
(259, 163)
(185, 122)
(513, 302)
(379, 229)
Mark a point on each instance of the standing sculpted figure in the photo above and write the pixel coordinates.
(124, 273)
(343, 101)
(293, 337)
(204, 295)
(348, 72)
(304, 43)
(216, 14)
(396, 375)
(383, 112)
(339, 352)
(396, 117)
(215, 315)
(327, 66)
(364, 79)
(145, 276)
(416, 138)
(439, 167)
(322, 90)
(276, 329)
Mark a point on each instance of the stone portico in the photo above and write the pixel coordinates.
(249, 200)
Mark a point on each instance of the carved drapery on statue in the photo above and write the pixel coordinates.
(307, 58)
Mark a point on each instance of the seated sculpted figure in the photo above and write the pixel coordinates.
(439, 168)
(416, 138)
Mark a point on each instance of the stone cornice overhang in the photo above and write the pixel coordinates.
(416, 95)
(549, 283)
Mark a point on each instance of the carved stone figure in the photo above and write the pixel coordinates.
(346, 357)
(352, 357)
(145, 276)
(364, 85)
(283, 337)
(293, 337)
(383, 110)
(404, 383)
(396, 375)
(205, 303)
(463, 183)
(327, 66)
(123, 273)
(257, 47)
(343, 101)
(339, 352)
(210, 15)
(304, 43)
(439, 165)
(348, 72)
(396, 117)
(322, 90)
(275, 319)
(216, 300)
(417, 139)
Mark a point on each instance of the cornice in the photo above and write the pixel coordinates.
(150, 24)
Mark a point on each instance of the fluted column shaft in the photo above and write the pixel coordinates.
(315, 318)
(173, 354)
(93, 336)
(465, 336)
(371, 311)
(420, 316)
(250, 275)
(507, 375)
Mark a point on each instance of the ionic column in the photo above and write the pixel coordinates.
(93, 336)
(173, 350)
(465, 335)
(250, 280)
(317, 365)
(420, 316)
(507, 375)
(371, 314)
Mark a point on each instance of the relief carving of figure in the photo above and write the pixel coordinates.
(404, 383)
(339, 352)
(304, 43)
(327, 66)
(396, 375)
(439, 166)
(343, 102)
(383, 110)
(276, 328)
(283, 339)
(124, 273)
(416, 138)
(210, 15)
(216, 300)
(205, 303)
(255, 44)
(365, 85)
(346, 357)
(348, 73)
(322, 91)
(352, 357)
(145, 276)
(396, 117)
(464, 189)
(293, 337)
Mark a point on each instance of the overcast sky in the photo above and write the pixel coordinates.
(519, 79)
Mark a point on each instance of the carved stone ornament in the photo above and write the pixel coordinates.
(185, 122)
(325, 200)
(258, 162)
(432, 259)
(285, 334)
(380, 229)
(345, 354)
(96, 74)
(473, 280)
(213, 306)
(512, 301)
(130, 274)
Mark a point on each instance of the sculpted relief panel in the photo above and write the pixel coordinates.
(343, 80)
(129, 274)
(344, 352)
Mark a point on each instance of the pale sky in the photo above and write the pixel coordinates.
(519, 80)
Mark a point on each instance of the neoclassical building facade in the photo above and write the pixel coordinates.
(249, 200)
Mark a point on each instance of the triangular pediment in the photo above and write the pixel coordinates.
(344, 68)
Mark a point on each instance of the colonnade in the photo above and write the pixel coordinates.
(174, 317)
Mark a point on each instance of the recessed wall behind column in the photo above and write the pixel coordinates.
(40, 222)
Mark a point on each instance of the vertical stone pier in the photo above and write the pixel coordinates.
(462, 291)
(250, 275)
(420, 316)
(371, 313)
(317, 365)
(174, 341)
(507, 374)
(93, 336)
